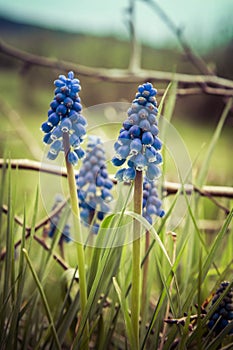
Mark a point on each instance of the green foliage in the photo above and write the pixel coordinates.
(40, 299)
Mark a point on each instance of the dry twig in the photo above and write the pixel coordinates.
(39, 225)
(169, 187)
(206, 83)
(196, 60)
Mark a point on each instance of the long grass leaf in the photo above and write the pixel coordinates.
(216, 245)
(8, 286)
(170, 103)
(150, 228)
(204, 169)
(43, 298)
(104, 275)
(125, 311)
(97, 251)
(13, 332)
(161, 104)
(164, 292)
(2, 192)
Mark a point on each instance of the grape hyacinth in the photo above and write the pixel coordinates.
(151, 203)
(138, 141)
(223, 315)
(64, 116)
(94, 185)
(52, 225)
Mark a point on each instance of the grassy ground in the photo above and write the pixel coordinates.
(47, 308)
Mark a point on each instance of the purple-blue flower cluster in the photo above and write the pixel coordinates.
(138, 141)
(223, 315)
(94, 185)
(64, 116)
(53, 223)
(151, 203)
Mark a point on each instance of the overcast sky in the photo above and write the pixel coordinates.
(204, 21)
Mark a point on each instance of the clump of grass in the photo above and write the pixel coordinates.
(40, 297)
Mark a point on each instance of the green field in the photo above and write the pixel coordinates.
(190, 248)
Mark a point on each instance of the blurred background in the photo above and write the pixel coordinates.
(98, 34)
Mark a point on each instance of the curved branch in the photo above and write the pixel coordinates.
(169, 187)
(206, 82)
(196, 60)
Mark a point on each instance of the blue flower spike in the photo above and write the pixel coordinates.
(223, 315)
(93, 185)
(64, 116)
(151, 205)
(52, 225)
(138, 144)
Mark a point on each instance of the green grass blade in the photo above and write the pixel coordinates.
(2, 190)
(161, 104)
(107, 268)
(97, 252)
(168, 109)
(210, 258)
(8, 283)
(165, 290)
(43, 298)
(204, 169)
(125, 310)
(169, 106)
(150, 228)
(68, 318)
(13, 331)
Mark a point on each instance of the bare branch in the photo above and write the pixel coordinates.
(183, 319)
(41, 241)
(196, 60)
(208, 83)
(211, 226)
(26, 164)
(169, 187)
(215, 191)
(206, 193)
(39, 224)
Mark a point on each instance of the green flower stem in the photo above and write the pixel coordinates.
(145, 272)
(136, 272)
(77, 229)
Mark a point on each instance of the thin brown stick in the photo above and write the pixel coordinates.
(196, 60)
(183, 319)
(42, 242)
(56, 257)
(169, 188)
(28, 229)
(122, 75)
(26, 164)
(205, 193)
(211, 226)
